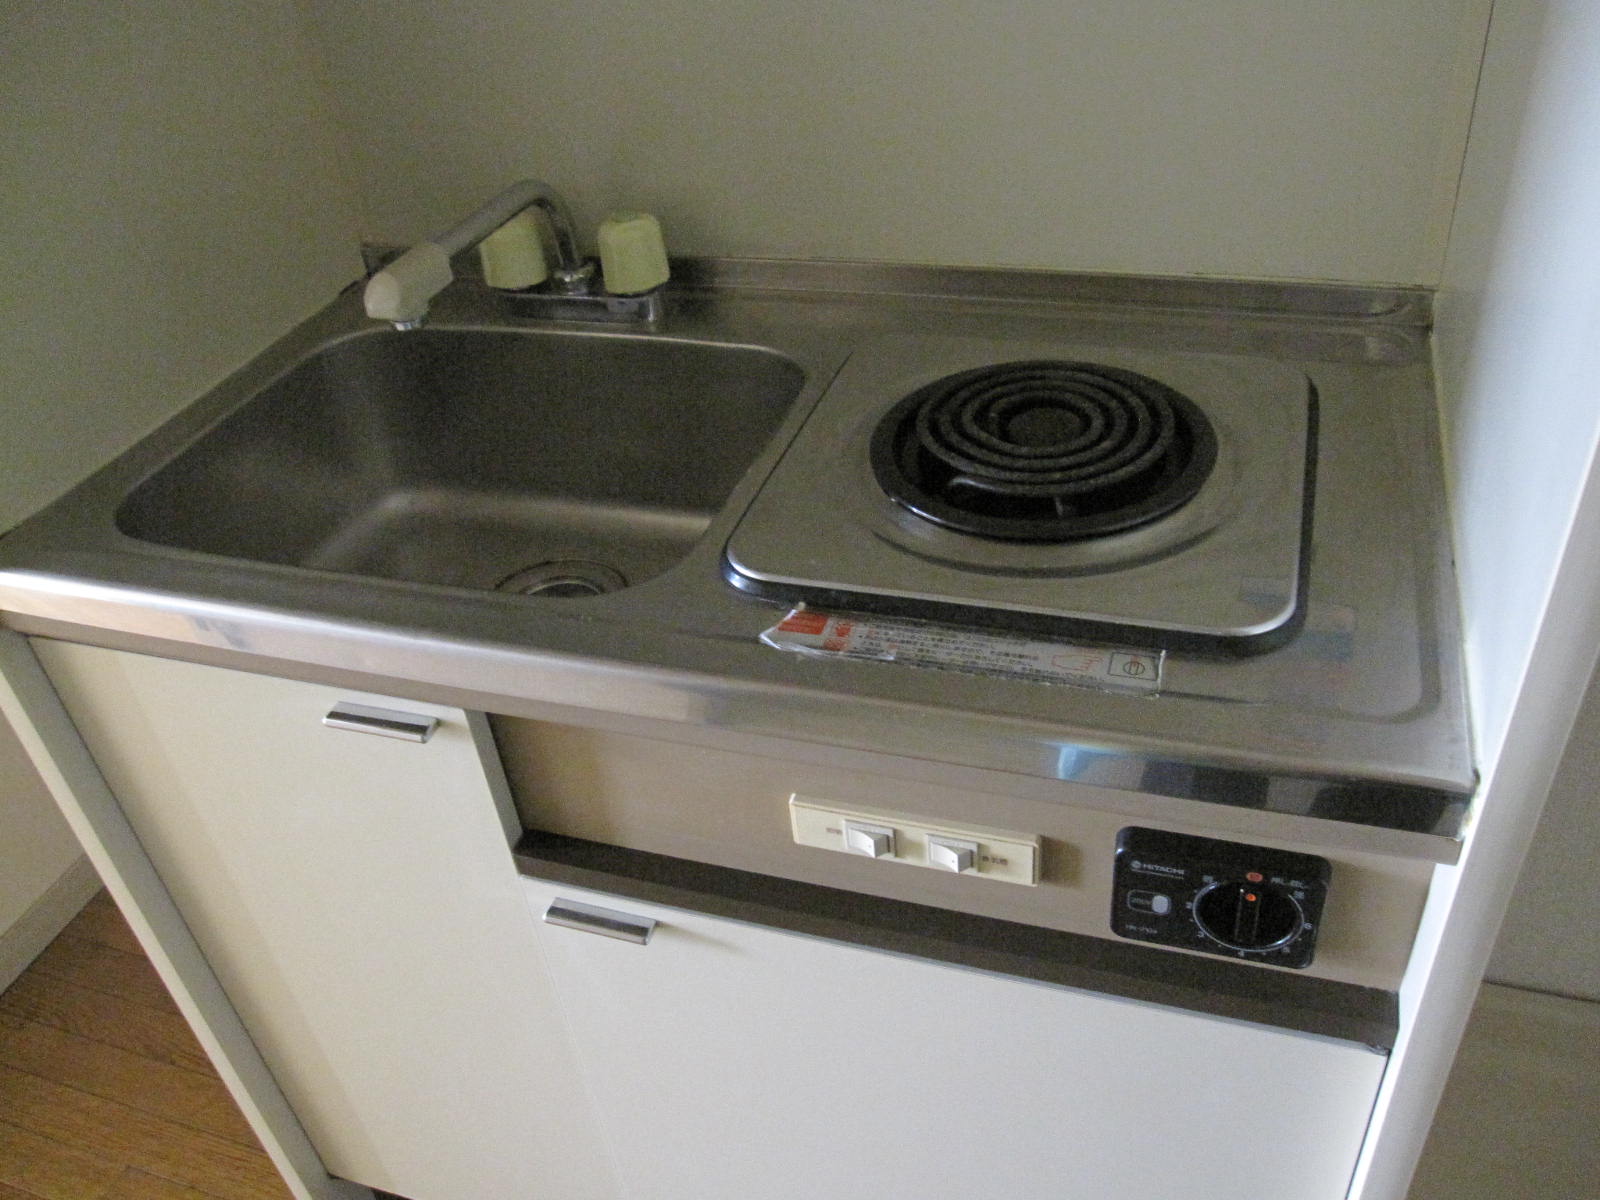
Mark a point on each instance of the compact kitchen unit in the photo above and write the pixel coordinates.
(624, 900)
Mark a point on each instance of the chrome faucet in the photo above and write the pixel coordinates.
(401, 292)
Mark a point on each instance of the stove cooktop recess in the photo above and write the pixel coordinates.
(1150, 499)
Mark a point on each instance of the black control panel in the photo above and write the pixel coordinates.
(1218, 897)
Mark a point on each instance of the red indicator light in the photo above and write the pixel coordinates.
(1250, 896)
(1254, 876)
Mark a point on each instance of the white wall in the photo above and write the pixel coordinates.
(44, 878)
(169, 206)
(1519, 364)
(1519, 368)
(1548, 941)
(1519, 360)
(1234, 137)
(1519, 334)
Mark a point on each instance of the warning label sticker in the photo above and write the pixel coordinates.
(953, 648)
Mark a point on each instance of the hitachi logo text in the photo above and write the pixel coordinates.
(1150, 868)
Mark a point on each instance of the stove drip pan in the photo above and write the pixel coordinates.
(1145, 498)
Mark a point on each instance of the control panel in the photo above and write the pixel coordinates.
(914, 841)
(1217, 897)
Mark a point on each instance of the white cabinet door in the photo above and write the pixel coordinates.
(356, 897)
(732, 1061)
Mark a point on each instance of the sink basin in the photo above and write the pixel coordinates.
(536, 462)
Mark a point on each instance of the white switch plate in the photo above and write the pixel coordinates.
(1004, 857)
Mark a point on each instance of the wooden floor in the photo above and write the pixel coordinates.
(104, 1092)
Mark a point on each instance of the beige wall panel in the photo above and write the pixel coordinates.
(1237, 137)
(170, 206)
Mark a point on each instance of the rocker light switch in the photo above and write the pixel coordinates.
(875, 841)
(951, 854)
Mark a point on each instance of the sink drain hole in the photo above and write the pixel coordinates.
(563, 577)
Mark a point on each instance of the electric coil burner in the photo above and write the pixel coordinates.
(1043, 451)
(1145, 498)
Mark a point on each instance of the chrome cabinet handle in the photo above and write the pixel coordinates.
(385, 722)
(607, 922)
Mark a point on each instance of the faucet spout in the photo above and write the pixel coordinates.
(402, 291)
(529, 193)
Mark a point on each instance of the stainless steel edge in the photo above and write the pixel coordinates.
(1405, 310)
(949, 750)
(1365, 744)
(1286, 299)
(1276, 299)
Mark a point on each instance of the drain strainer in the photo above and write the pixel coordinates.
(563, 577)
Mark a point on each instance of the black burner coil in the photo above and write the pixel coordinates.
(1043, 451)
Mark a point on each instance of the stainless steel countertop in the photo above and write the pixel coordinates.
(1359, 720)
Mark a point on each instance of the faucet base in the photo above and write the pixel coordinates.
(643, 308)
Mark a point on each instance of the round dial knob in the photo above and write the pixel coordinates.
(1248, 916)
